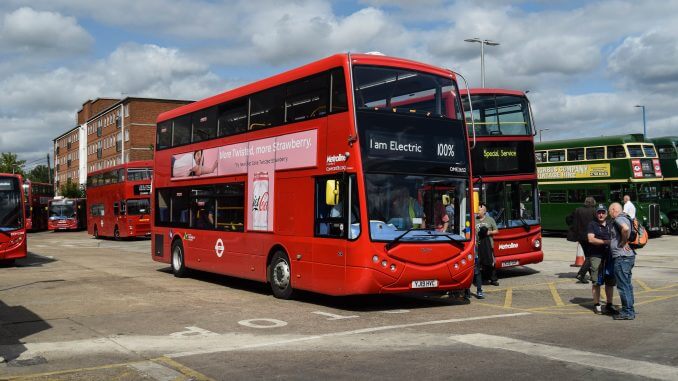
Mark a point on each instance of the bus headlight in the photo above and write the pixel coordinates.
(375, 259)
(536, 243)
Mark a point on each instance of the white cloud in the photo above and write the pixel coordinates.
(26, 30)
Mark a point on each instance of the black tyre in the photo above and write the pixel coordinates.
(280, 275)
(178, 265)
(116, 233)
(673, 225)
(96, 232)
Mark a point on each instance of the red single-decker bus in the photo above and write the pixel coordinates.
(349, 175)
(67, 214)
(12, 216)
(119, 201)
(504, 168)
(37, 196)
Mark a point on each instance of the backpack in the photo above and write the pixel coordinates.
(638, 235)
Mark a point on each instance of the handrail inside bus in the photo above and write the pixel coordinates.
(470, 105)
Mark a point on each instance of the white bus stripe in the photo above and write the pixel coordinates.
(594, 360)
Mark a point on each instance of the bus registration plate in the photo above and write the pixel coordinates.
(425, 283)
(509, 263)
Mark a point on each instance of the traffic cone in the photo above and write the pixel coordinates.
(579, 259)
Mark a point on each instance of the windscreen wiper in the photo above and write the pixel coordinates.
(526, 226)
(396, 240)
(452, 241)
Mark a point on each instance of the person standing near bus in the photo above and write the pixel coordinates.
(624, 260)
(629, 208)
(599, 250)
(579, 222)
(487, 259)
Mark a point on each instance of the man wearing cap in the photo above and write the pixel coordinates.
(599, 252)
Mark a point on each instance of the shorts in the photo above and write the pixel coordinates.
(597, 267)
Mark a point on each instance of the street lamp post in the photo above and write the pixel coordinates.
(482, 55)
(644, 125)
(540, 130)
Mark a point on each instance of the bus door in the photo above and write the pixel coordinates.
(331, 229)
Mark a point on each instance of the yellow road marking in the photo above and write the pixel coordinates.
(657, 299)
(186, 371)
(556, 296)
(508, 300)
(194, 375)
(643, 285)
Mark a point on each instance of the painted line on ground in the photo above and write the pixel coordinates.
(643, 285)
(158, 372)
(229, 348)
(193, 374)
(508, 299)
(556, 296)
(574, 356)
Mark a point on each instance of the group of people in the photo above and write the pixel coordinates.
(602, 234)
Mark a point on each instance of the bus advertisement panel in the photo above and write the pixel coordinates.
(605, 168)
(119, 201)
(298, 182)
(12, 215)
(504, 170)
(36, 197)
(667, 149)
(67, 214)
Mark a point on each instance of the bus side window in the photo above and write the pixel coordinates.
(116, 208)
(230, 207)
(162, 207)
(339, 101)
(266, 108)
(204, 124)
(306, 98)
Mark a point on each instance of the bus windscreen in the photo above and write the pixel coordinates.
(10, 204)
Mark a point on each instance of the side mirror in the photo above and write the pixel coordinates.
(332, 192)
(476, 200)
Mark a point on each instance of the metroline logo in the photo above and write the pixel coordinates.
(331, 159)
(505, 246)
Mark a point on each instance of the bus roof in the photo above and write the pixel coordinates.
(591, 142)
(337, 60)
(497, 91)
(131, 164)
(665, 140)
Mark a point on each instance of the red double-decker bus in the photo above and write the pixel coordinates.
(12, 217)
(67, 213)
(349, 175)
(119, 200)
(36, 197)
(505, 171)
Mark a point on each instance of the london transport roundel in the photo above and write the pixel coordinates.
(219, 248)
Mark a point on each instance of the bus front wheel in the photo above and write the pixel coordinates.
(178, 265)
(96, 232)
(280, 275)
(673, 224)
(116, 233)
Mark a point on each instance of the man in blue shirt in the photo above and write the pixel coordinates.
(599, 254)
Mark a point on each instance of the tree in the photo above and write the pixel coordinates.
(71, 190)
(39, 173)
(10, 164)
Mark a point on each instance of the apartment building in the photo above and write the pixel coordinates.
(108, 132)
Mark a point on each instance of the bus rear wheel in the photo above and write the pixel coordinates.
(178, 265)
(280, 275)
(673, 224)
(116, 233)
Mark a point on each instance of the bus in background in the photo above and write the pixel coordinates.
(119, 201)
(67, 213)
(504, 170)
(335, 177)
(606, 168)
(667, 149)
(36, 197)
(12, 215)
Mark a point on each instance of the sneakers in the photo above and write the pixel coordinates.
(623, 317)
(480, 295)
(610, 310)
(494, 283)
(597, 309)
(582, 279)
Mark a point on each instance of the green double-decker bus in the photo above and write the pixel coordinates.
(606, 168)
(667, 148)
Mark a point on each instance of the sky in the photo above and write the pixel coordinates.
(586, 64)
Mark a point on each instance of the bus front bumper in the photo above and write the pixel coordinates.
(521, 259)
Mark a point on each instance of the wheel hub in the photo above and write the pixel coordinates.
(176, 258)
(281, 274)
